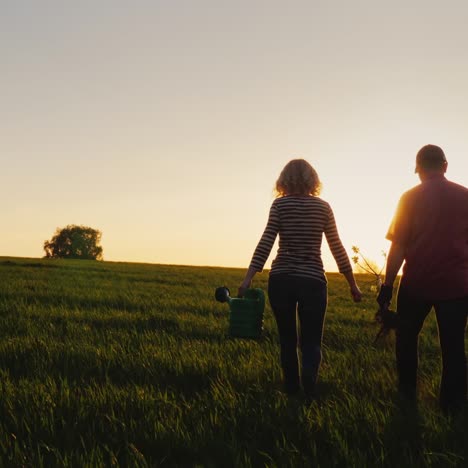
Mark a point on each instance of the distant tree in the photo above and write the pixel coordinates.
(74, 242)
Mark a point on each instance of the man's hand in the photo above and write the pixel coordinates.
(385, 295)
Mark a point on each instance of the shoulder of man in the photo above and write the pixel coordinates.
(413, 193)
(457, 186)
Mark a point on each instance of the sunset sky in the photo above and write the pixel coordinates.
(165, 124)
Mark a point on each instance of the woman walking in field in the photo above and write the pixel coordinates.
(297, 279)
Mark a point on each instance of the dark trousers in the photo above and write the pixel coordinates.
(292, 297)
(451, 321)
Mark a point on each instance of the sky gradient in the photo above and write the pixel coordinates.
(165, 124)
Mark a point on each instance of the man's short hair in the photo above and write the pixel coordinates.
(430, 157)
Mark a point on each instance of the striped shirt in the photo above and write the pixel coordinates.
(300, 222)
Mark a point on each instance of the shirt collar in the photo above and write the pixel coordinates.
(433, 177)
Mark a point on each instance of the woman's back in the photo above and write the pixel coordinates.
(300, 222)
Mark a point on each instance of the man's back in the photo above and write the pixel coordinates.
(430, 234)
(432, 224)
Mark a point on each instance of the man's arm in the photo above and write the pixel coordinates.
(395, 258)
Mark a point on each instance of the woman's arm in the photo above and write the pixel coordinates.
(263, 249)
(336, 246)
(341, 257)
(247, 282)
(353, 287)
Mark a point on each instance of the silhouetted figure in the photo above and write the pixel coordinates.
(297, 281)
(429, 233)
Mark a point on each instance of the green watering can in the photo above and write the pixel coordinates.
(246, 313)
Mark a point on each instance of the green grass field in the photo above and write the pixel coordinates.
(118, 364)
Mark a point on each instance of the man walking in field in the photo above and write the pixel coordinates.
(429, 232)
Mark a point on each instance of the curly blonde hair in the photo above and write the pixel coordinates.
(298, 177)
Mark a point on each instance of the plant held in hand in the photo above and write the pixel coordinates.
(385, 317)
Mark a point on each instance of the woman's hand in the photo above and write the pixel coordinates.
(246, 284)
(356, 293)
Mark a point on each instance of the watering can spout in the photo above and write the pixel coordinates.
(222, 294)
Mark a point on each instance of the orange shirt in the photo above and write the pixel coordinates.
(431, 224)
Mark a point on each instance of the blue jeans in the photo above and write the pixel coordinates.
(451, 318)
(291, 297)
